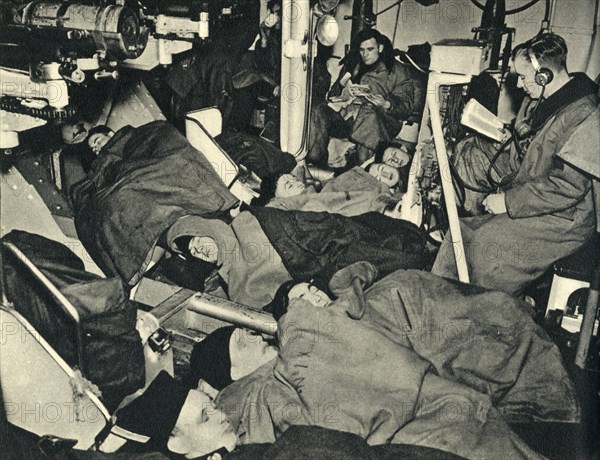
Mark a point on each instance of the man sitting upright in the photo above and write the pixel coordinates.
(378, 94)
(539, 209)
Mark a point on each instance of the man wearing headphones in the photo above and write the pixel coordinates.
(542, 208)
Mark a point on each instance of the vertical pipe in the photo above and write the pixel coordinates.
(435, 80)
(294, 75)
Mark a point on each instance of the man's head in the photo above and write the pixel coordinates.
(370, 46)
(396, 157)
(176, 418)
(75, 131)
(541, 64)
(274, 17)
(288, 185)
(316, 291)
(98, 137)
(200, 428)
(310, 292)
(227, 355)
(199, 247)
(384, 173)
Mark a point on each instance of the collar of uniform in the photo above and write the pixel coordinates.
(578, 87)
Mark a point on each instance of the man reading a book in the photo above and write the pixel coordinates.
(538, 209)
(374, 95)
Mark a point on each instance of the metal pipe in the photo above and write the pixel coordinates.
(232, 312)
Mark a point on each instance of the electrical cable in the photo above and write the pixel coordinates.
(504, 181)
(398, 3)
(513, 11)
(395, 23)
(547, 12)
(546, 20)
(459, 182)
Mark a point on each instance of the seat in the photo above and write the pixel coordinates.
(578, 271)
(564, 284)
(572, 273)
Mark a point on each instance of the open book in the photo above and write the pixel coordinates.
(343, 100)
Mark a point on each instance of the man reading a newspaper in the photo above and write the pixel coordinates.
(374, 95)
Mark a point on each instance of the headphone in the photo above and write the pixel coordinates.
(543, 75)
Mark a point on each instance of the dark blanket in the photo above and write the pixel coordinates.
(299, 442)
(319, 242)
(259, 156)
(143, 180)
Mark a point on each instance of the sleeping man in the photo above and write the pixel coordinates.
(148, 183)
(352, 193)
(264, 247)
(170, 418)
(175, 418)
(430, 362)
(142, 180)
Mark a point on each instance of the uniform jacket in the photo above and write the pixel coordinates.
(544, 184)
(582, 150)
(403, 87)
(550, 209)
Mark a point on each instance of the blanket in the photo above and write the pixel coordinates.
(144, 179)
(255, 256)
(312, 243)
(432, 362)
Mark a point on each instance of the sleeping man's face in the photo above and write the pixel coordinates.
(396, 157)
(248, 351)
(201, 428)
(289, 185)
(310, 293)
(98, 140)
(205, 248)
(385, 174)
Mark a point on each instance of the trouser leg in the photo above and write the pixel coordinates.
(371, 131)
(324, 123)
